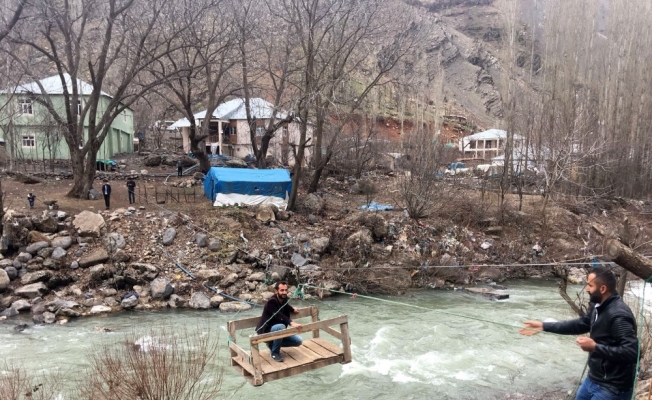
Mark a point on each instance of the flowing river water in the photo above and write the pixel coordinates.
(398, 352)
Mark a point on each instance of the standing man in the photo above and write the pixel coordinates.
(30, 199)
(612, 343)
(131, 185)
(106, 191)
(276, 317)
(179, 168)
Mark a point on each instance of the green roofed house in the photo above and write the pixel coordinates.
(29, 131)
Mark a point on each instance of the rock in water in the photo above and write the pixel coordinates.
(160, 288)
(199, 300)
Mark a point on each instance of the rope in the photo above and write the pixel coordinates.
(417, 306)
(640, 332)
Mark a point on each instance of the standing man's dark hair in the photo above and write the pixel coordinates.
(106, 191)
(612, 343)
(131, 185)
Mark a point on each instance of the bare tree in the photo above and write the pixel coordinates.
(10, 14)
(65, 37)
(204, 67)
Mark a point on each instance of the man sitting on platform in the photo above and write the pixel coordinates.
(276, 317)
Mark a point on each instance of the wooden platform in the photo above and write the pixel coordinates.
(258, 367)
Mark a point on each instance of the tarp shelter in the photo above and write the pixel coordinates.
(232, 186)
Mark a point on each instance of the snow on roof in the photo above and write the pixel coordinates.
(53, 85)
(235, 109)
(490, 135)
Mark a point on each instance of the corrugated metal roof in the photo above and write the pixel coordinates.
(490, 134)
(235, 109)
(54, 85)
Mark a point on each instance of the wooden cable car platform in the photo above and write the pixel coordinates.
(258, 367)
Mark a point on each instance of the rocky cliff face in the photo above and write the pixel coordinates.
(469, 42)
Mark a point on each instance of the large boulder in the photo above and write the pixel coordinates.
(21, 305)
(201, 239)
(312, 204)
(93, 194)
(209, 275)
(114, 241)
(199, 300)
(257, 277)
(216, 301)
(4, 280)
(58, 253)
(320, 244)
(234, 306)
(214, 245)
(153, 160)
(97, 257)
(168, 236)
(98, 272)
(160, 288)
(45, 223)
(265, 213)
(229, 280)
(11, 272)
(63, 241)
(37, 276)
(100, 310)
(35, 247)
(22, 258)
(129, 302)
(32, 291)
(363, 236)
(88, 224)
(36, 236)
(236, 163)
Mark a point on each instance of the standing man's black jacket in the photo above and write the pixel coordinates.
(271, 310)
(613, 328)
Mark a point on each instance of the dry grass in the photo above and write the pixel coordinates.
(16, 384)
(164, 366)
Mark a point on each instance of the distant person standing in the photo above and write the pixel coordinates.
(106, 191)
(30, 199)
(179, 168)
(131, 185)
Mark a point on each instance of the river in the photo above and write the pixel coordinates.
(399, 352)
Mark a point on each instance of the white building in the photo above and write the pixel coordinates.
(488, 144)
(229, 131)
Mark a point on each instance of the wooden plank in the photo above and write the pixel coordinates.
(314, 313)
(253, 321)
(298, 355)
(299, 370)
(255, 357)
(323, 352)
(245, 374)
(268, 364)
(333, 332)
(230, 327)
(332, 347)
(346, 342)
(294, 331)
(309, 353)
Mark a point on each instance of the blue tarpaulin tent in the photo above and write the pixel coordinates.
(248, 186)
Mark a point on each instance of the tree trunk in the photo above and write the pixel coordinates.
(77, 164)
(629, 259)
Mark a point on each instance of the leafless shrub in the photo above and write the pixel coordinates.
(368, 189)
(162, 365)
(16, 384)
(421, 189)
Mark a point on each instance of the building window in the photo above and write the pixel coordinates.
(79, 107)
(472, 144)
(124, 115)
(29, 141)
(25, 107)
(260, 131)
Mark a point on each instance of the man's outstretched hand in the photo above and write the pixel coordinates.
(531, 328)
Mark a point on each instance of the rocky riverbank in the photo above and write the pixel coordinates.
(59, 266)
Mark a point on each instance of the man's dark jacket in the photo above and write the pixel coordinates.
(613, 362)
(274, 312)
